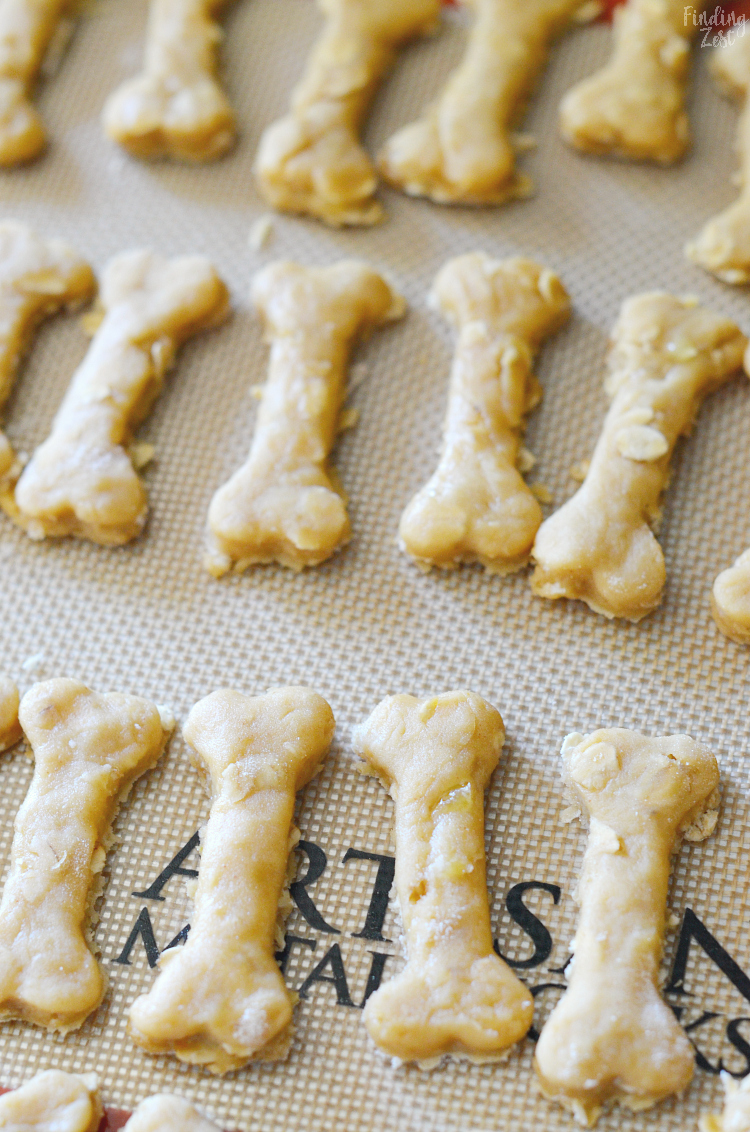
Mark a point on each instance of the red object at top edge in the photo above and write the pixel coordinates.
(113, 1119)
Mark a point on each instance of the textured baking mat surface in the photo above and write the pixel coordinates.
(149, 620)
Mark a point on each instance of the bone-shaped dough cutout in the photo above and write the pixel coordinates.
(81, 481)
(53, 1101)
(736, 1114)
(175, 107)
(10, 728)
(476, 507)
(166, 1112)
(283, 505)
(462, 151)
(38, 278)
(634, 107)
(611, 1037)
(723, 245)
(27, 28)
(88, 750)
(312, 161)
(455, 996)
(220, 1000)
(730, 600)
(667, 354)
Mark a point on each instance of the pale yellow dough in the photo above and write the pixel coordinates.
(723, 246)
(312, 161)
(476, 507)
(168, 1113)
(81, 481)
(38, 278)
(220, 1000)
(53, 1101)
(455, 996)
(611, 1037)
(461, 151)
(10, 728)
(667, 354)
(283, 505)
(736, 1114)
(175, 107)
(635, 106)
(27, 28)
(88, 750)
(730, 600)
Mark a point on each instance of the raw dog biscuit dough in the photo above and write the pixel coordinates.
(176, 107)
(731, 600)
(81, 481)
(462, 150)
(38, 278)
(667, 353)
(53, 1101)
(635, 106)
(168, 1113)
(611, 1037)
(723, 246)
(476, 507)
(284, 504)
(455, 996)
(10, 728)
(27, 28)
(88, 751)
(312, 161)
(736, 1114)
(220, 1000)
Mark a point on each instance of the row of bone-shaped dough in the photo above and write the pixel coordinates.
(55, 1101)
(462, 150)
(220, 1000)
(284, 504)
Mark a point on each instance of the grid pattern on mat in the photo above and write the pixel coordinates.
(148, 619)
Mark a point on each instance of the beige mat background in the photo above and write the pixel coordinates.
(148, 619)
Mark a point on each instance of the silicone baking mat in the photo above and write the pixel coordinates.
(148, 619)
